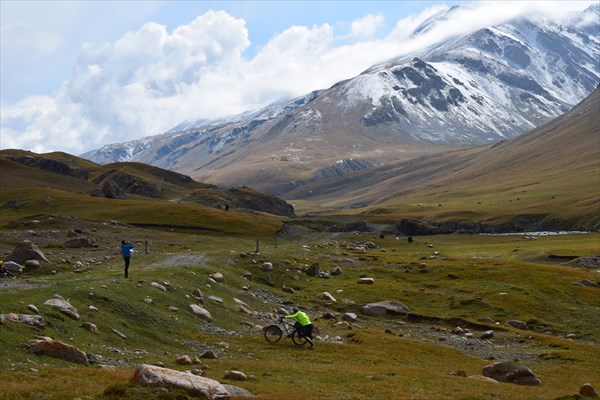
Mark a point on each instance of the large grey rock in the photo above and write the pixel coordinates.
(27, 319)
(150, 375)
(13, 267)
(26, 250)
(201, 312)
(58, 349)
(507, 371)
(237, 391)
(384, 307)
(63, 306)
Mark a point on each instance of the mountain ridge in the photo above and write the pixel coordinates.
(480, 88)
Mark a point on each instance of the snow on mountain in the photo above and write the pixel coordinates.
(483, 87)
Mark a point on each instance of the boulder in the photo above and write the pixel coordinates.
(325, 296)
(267, 266)
(517, 324)
(12, 267)
(237, 391)
(218, 277)
(313, 270)
(90, 327)
(58, 349)
(32, 264)
(184, 360)
(588, 390)
(152, 376)
(507, 371)
(235, 376)
(335, 271)
(26, 250)
(158, 286)
(366, 281)
(384, 307)
(197, 293)
(64, 307)
(209, 354)
(349, 317)
(27, 319)
(201, 312)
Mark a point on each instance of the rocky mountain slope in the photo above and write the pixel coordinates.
(63, 172)
(551, 172)
(484, 87)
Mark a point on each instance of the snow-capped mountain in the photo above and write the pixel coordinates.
(484, 87)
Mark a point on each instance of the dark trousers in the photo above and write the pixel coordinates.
(306, 331)
(126, 266)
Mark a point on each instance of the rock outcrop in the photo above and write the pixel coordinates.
(152, 376)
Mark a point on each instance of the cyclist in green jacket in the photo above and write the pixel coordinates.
(305, 326)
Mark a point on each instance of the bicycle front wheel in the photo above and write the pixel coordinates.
(272, 333)
(298, 339)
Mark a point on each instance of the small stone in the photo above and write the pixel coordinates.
(588, 390)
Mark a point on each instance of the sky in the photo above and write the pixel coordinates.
(77, 75)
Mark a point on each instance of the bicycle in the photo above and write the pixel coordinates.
(274, 332)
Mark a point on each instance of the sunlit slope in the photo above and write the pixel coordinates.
(552, 172)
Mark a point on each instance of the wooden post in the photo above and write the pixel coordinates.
(146, 247)
(257, 246)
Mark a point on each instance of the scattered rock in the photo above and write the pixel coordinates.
(313, 270)
(588, 390)
(209, 354)
(197, 293)
(90, 327)
(152, 376)
(218, 277)
(33, 308)
(33, 320)
(235, 376)
(507, 371)
(121, 335)
(201, 312)
(349, 317)
(32, 264)
(26, 250)
(366, 281)
(487, 334)
(216, 299)
(384, 307)
(158, 286)
(267, 266)
(517, 324)
(184, 360)
(13, 267)
(335, 271)
(58, 349)
(325, 296)
(64, 307)
(237, 391)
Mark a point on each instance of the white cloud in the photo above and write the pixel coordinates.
(367, 26)
(150, 80)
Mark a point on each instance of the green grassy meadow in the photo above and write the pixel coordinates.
(409, 356)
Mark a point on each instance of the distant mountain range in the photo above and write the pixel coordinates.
(482, 88)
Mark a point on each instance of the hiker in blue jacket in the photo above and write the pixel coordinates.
(126, 251)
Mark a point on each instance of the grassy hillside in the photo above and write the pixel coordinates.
(446, 281)
(551, 174)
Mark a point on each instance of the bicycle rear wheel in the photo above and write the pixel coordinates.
(298, 339)
(272, 333)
